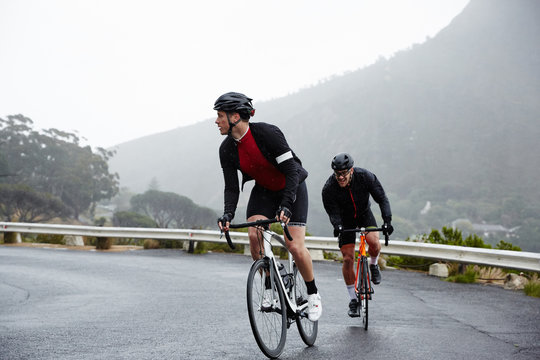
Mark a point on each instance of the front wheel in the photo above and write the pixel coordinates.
(307, 328)
(267, 309)
(363, 292)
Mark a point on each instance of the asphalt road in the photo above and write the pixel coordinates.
(167, 304)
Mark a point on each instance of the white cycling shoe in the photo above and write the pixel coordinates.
(314, 309)
(267, 300)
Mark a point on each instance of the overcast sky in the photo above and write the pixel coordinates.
(116, 70)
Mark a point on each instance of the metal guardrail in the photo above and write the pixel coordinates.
(520, 260)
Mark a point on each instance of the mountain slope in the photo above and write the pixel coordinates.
(454, 121)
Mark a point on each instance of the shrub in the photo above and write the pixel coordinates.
(447, 236)
(132, 219)
(467, 278)
(332, 255)
(503, 245)
(104, 243)
(171, 244)
(409, 262)
(129, 241)
(151, 244)
(50, 239)
(532, 288)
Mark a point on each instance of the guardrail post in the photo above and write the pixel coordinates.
(191, 247)
(73, 240)
(316, 254)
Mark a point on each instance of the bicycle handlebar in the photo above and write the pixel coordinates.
(366, 230)
(256, 223)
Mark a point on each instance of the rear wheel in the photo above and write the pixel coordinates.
(307, 329)
(267, 309)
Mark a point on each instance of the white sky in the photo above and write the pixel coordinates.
(116, 70)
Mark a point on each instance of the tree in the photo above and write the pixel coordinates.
(132, 219)
(155, 204)
(21, 203)
(52, 161)
(168, 209)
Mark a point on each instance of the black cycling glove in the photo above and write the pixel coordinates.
(388, 229)
(286, 212)
(225, 218)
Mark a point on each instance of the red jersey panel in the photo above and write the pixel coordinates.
(254, 164)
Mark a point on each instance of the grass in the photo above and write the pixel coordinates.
(468, 277)
(532, 288)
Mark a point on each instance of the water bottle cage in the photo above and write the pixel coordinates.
(287, 278)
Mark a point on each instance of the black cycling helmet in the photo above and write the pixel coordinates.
(342, 161)
(235, 102)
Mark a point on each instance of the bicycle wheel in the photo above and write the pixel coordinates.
(269, 320)
(363, 292)
(307, 329)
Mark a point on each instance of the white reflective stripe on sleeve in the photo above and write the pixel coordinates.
(283, 157)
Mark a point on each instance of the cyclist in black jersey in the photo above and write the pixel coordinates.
(261, 153)
(346, 201)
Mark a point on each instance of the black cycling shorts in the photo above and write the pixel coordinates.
(266, 202)
(365, 220)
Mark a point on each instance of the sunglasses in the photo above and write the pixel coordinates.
(342, 173)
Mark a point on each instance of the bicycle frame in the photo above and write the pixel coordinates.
(269, 254)
(268, 235)
(362, 254)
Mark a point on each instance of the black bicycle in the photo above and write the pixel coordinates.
(276, 294)
(362, 282)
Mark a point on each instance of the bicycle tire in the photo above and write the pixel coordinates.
(308, 329)
(269, 324)
(363, 292)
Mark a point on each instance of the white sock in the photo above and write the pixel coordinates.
(374, 260)
(352, 293)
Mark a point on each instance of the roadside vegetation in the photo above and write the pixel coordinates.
(457, 272)
(532, 288)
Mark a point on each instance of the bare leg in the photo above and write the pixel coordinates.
(255, 246)
(374, 248)
(347, 251)
(300, 253)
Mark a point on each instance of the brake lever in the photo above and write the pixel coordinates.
(229, 241)
(286, 231)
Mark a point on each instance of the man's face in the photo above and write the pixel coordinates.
(222, 122)
(343, 177)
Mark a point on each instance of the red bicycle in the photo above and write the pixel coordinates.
(362, 281)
